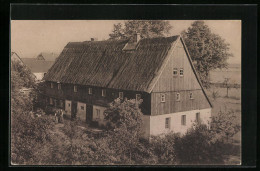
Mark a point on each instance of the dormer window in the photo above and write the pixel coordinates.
(178, 97)
(175, 72)
(51, 85)
(121, 95)
(138, 96)
(89, 90)
(103, 93)
(75, 88)
(162, 97)
(59, 86)
(181, 72)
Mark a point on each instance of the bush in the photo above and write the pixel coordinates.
(200, 146)
(163, 148)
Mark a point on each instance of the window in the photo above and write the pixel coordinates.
(82, 107)
(181, 72)
(51, 85)
(69, 104)
(89, 90)
(183, 119)
(138, 96)
(191, 95)
(175, 72)
(59, 86)
(162, 97)
(51, 101)
(103, 92)
(198, 117)
(167, 123)
(75, 88)
(178, 97)
(121, 95)
(98, 113)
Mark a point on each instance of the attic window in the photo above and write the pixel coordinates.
(178, 97)
(51, 85)
(181, 72)
(121, 95)
(191, 96)
(103, 93)
(59, 86)
(75, 88)
(89, 90)
(162, 97)
(175, 72)
(138, 96)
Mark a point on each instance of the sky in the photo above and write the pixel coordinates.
(31, 37)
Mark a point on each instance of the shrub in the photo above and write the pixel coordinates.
(163, 148)
(196, 147)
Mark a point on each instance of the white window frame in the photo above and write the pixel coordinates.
(183, 120)
(137, 96)
(175, 72)
(59, 86)
(98, 113)
(191, 96)
(181, 72)
(103, 92)
(75, 88)
(178, 97)
(89, 90)
(121, 95)
(51, 85)
(163, 97)
(167, 123)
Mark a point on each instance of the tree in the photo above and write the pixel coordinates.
(208, 50)
(226, 84)
(125, 132)
(146, 28)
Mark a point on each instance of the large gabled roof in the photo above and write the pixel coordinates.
(105, 64)
(37, 66)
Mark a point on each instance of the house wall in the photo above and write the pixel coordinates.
(170, 85)
(157, 123)
(39, 75)
(67, 93)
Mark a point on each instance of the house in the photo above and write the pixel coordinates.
(47, 56)
(40, 65)
(88, 75)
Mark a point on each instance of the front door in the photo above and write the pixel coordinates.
(89, 113)
(73, 110)
(68, 107)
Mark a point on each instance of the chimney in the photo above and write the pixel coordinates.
(137, 37)
(93, 39)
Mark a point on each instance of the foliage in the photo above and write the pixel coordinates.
(223, 126)
(215, 94)
(126, 119)
(197, 147)
(146, 28)
(163, 148)
(208, 50)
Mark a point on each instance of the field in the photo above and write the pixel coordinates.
(225, 104)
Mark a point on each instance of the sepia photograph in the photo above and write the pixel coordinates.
(125, 92)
